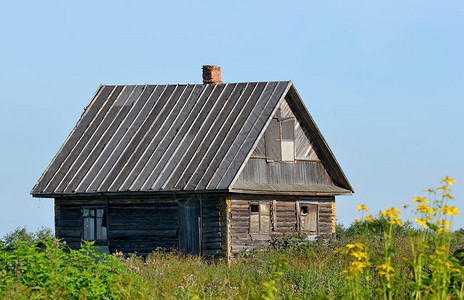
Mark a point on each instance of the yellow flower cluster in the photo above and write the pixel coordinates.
(386, 270)
(392, 216)
(360, 259)
(362, 207)
(369, 218)
(449, 210)
(448, 180)
(420, 200)
(428, 213)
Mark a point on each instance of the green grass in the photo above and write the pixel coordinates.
(313, 269)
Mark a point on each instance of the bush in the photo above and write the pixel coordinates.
(57, 272)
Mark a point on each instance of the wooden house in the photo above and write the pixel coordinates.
(210, 169)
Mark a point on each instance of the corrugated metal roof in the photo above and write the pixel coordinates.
(162, 138)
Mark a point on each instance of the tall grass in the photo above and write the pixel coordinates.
(377, 257)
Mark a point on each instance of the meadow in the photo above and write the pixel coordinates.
(377, 257)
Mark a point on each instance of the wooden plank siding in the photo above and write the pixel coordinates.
(301, 172)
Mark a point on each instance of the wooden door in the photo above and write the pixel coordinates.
(308, 216)
(189, 226)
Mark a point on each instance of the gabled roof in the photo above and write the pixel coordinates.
(155, 138)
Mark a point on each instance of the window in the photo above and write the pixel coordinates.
(94, 224)
(260, 218)
(280, 140)
(304, 211)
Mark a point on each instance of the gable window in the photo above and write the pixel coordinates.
(260, 218)
(94, 224)
(280, 140)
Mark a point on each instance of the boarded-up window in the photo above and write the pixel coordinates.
(260, 218)
(308, 218)
(288, 140)
(94, 224)
(280, 140)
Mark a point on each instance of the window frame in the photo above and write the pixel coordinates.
(101, 241)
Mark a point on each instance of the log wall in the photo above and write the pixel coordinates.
(284, 218)
(142, 224)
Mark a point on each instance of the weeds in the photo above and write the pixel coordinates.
(377, 257)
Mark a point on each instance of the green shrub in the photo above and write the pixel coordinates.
(57, 272)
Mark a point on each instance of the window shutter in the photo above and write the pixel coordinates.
(272, 139)
(288, 140)
(265, 217)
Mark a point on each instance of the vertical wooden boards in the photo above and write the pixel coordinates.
(272, 140)
(189, 226)
(300, 172)
(308, 218)
(254, 221)
(264, 218)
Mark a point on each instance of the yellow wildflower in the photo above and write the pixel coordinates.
(362, 207)
(359, 255)
(355, 245)
(386, 270)
(440, 250)
(421, 222)
(392, 216)
(420, 199)
(369, 218)
(340, 249)
(444, 187)
(429, 289)
(448, 180)
(358, 266)
(448, 195)
(423, 208)
(441, 229)
(443, 223)
(429, 191)
(449, 210)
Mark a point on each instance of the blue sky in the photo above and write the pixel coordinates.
(384, 81)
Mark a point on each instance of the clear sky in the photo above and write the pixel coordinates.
(384, 81)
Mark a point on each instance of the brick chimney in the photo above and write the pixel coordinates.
(212, 74)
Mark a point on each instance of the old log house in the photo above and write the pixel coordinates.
(210, 169)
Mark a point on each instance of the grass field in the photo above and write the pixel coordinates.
(377, 257)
